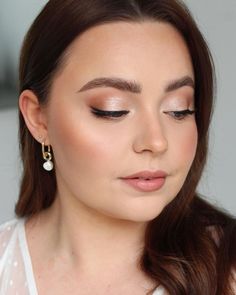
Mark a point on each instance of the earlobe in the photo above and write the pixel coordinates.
(33, 114)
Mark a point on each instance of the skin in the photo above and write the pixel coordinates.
(96, 226)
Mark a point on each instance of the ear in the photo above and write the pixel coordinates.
(34, 116)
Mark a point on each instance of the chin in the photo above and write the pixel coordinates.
(143, 215)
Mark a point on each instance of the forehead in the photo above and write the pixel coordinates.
(127, 49)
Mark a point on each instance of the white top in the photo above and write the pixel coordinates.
(16, 272)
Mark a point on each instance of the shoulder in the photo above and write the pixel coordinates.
(7, 232)
(13, 279)
(8, 227)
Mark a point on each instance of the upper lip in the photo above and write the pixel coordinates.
(148, 174)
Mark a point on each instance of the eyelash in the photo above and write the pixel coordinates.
(108, 114)
(177, 115)
(180, 115)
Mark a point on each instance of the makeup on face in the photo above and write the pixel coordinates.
(110, 103)
(124, 113)
(106, 101)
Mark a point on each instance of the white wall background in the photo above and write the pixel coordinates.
(217, 20)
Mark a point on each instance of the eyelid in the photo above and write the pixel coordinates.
(107, 111)
(180, 115)
(111, 115)
(112, 102)
(179, 101)
(108, 114)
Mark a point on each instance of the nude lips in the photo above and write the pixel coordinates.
(146, 181)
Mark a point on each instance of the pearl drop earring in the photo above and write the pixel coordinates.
(48, 165)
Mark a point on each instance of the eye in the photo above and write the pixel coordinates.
(108, 114)
(180, 115)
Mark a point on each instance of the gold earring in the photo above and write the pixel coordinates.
(48, 165)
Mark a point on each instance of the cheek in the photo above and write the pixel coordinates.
(84, 144)
(184, 145)
(189, 145)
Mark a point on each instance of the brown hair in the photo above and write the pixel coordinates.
(190, 246)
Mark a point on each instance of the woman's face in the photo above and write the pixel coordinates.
(93, 153)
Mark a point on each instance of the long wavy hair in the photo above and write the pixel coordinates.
(190, 246)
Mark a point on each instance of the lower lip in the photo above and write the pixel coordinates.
(145, 185)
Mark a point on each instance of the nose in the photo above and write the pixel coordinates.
(150, 136)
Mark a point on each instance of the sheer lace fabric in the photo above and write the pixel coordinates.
(15, 266)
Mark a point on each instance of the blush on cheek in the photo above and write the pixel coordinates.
(189, 147)
(81, 142)
(183, 145)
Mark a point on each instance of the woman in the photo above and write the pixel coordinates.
(115, 105)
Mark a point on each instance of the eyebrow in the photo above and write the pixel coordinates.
(118, 83)
(133, 86)
(176, 84)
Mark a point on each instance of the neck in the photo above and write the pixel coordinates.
(92, 241)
